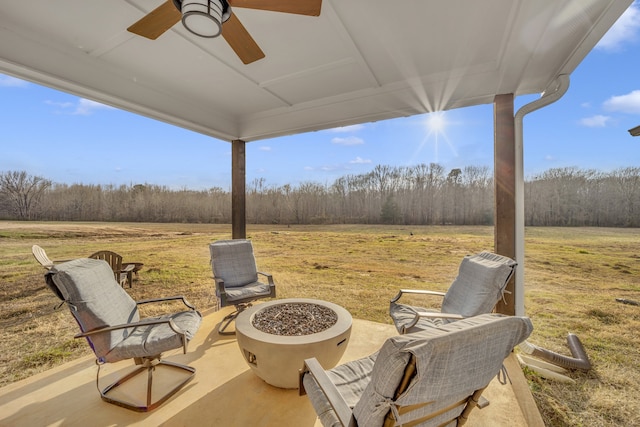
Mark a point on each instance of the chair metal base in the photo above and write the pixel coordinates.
(231, 317)
(148, 365)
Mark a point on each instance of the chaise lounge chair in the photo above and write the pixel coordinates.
(41, 256)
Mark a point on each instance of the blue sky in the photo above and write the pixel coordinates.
(62, 137)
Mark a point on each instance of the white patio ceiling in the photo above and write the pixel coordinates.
(359, 61)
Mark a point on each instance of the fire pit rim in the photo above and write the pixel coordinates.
(244, 323)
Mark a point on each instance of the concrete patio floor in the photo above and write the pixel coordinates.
(224, 392)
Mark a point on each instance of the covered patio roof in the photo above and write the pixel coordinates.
(358, 61)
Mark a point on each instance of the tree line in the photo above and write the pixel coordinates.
(412, 195)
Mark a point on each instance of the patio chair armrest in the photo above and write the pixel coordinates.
(128, 325)
(337, 402)
(172, 298)
(268, 276)
(416, 292)
(128, 268)
(220, 291)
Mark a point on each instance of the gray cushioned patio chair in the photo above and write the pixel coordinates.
(433, 377)
(481, 282)
(110, 321)
(236, 277)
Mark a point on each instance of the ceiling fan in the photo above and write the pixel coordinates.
(209, 18)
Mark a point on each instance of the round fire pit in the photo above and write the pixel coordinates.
(276, 337)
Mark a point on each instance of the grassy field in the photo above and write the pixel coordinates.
(573, 277)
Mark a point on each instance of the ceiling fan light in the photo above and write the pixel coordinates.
(203, 18)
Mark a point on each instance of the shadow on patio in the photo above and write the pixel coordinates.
(224, 392)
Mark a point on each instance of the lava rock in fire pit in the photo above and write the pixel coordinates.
(292, 319)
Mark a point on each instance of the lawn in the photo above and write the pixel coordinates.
(572, 279)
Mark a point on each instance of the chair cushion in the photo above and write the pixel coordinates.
(234, 262)
(251, 291)
(95, 299)
(383, 381)
(155, 339)
(351, 379)
(479, 285)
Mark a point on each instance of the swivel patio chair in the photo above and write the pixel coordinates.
(481, 282)
(433, 377)
(236, 278)
(123, 274)
(110, 321)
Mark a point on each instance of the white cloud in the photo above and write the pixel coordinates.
(59, 104)
(8, 81)
(346, 129)
(86, 107)
(360, 161)
(626, 29)
(598, 121)
(265, 148)
(629, 103)
(350, 140)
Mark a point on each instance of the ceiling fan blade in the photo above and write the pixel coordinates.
(300, 7)
(156, 22)
(241, 41)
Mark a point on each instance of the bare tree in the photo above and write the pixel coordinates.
(450, 203)
(628, 188)
(23, 191)
(421, 194)
(477, 203)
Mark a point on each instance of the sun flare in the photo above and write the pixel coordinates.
(436, 122)
(435, 125)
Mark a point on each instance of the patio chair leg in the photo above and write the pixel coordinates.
(150, 370)
(149, 366)
(226, 321)
(231, 317)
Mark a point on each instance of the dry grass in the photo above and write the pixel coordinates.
(572, 279)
